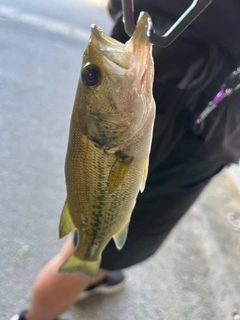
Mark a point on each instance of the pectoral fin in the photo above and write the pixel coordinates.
(119, 171)
(66, 224)
(144, 175)
(121, 237)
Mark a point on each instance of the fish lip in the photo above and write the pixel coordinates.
(104, 41)
(144, 22)
(141, 47)
(97, 31)
(140, 43)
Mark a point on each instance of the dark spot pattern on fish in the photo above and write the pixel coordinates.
(100, 136)
(97, 213)
(121, 156)
(102, 129)
(99, 142)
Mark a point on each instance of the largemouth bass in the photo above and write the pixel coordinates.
(109, 143)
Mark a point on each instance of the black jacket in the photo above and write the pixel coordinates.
(189, 73)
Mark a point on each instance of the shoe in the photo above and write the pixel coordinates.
(113, 282)
(19, 316)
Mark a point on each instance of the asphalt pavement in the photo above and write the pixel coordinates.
(193, 276)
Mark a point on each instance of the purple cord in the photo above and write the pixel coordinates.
(211, 105)
(219, 97)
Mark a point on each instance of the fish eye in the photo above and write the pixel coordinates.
(91, 76)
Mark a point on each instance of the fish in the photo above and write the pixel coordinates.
(109, 143)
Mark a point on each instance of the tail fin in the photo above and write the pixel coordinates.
(74, 264)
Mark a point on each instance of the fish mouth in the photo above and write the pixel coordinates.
(113, 52)
(130, 55)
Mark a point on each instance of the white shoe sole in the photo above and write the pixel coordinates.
(16, 317)
(102, 290)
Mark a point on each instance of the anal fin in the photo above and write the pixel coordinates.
(121, 237)
(66, 223)
(144, 175)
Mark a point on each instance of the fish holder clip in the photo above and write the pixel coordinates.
(196, 8)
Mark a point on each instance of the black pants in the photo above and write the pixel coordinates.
(174, 183)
